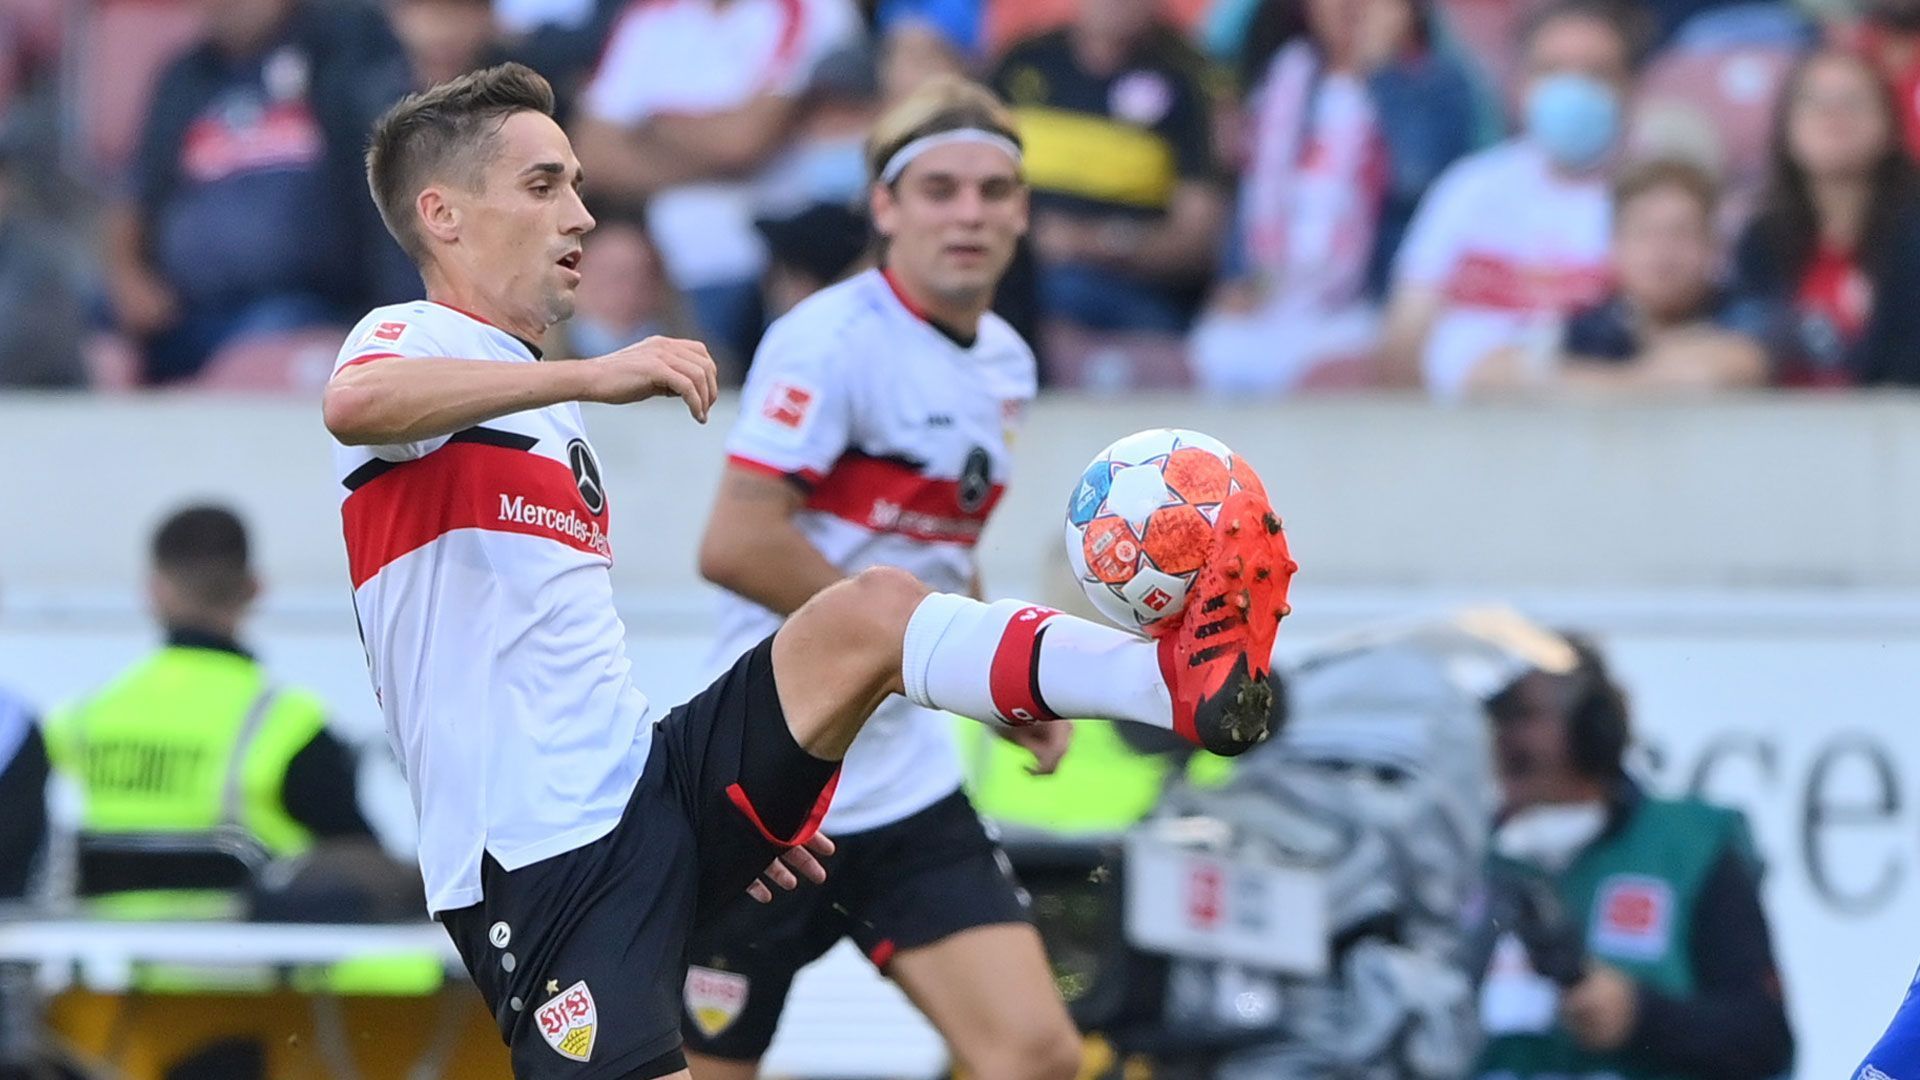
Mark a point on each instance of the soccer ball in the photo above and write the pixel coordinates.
(1140, 522)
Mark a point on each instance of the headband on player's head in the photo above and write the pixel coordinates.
(904, 156)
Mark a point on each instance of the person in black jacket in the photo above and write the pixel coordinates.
(1826, 273)
(246, 211)
(23, 805)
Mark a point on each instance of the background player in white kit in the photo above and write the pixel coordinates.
(570, 835)
(873, 431)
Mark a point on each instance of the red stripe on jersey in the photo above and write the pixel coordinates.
(1492, 280)
(1012, 677)
(892, 497)
(358, 360)
(465, 486)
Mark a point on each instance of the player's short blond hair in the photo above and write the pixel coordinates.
(447, 133)
(942, 103)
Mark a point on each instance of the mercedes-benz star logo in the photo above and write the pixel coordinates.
(586, 475)
(976, 480)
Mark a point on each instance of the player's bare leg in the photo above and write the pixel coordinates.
(884, 632)
(838, 657)
(990, 992)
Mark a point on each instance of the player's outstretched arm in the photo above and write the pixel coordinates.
(406, 398)
(753, 547)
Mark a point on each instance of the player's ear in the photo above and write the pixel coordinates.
(884, 209)
(1023, 207)
(439, 218)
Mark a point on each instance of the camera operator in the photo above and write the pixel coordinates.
(1662, 965)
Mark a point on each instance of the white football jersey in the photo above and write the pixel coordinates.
(479, 566)
(899, 436)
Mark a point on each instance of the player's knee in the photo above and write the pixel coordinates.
(873, 605)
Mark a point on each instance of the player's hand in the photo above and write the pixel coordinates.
(1047, 741)
(792, 865)
(656, 367)
(1599, 1011)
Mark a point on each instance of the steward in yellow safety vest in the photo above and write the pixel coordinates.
(197, 737)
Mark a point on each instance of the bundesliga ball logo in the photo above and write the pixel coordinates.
(1140, 522)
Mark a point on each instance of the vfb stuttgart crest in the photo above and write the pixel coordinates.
(715, 998)
(568, 1022)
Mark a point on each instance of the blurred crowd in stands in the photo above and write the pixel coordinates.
(1251, 197)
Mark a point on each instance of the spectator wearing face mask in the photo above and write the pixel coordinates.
(1665, 328)
(1667, 971)
(1513, 239)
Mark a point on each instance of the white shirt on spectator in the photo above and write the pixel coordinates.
(698, 56)
(1512, 246)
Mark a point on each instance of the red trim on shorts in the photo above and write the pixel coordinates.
(738, 796)
(890, 496)
(358, 360)
(808, 477)
(1012, 679)
(882, 953)
(465, 485)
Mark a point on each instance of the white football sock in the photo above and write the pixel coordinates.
(979, 660)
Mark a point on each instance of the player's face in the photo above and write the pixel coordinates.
(952, 219)
(523, 228)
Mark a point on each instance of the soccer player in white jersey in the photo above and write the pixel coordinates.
(571, 832)
(874, 432)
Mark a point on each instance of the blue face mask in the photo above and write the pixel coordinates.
(1572, 117)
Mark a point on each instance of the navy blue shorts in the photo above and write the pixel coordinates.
(907, 884)
(581, 957)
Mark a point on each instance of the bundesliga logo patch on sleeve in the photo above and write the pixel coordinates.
(386, 333)
(568, 1022)
(788, 405)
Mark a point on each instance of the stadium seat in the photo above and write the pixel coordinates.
(1113, 363)
(1713, 107)
(298, 361)
(122, 49)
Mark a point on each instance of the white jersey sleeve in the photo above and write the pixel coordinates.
(797, 409)
(396, 331)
